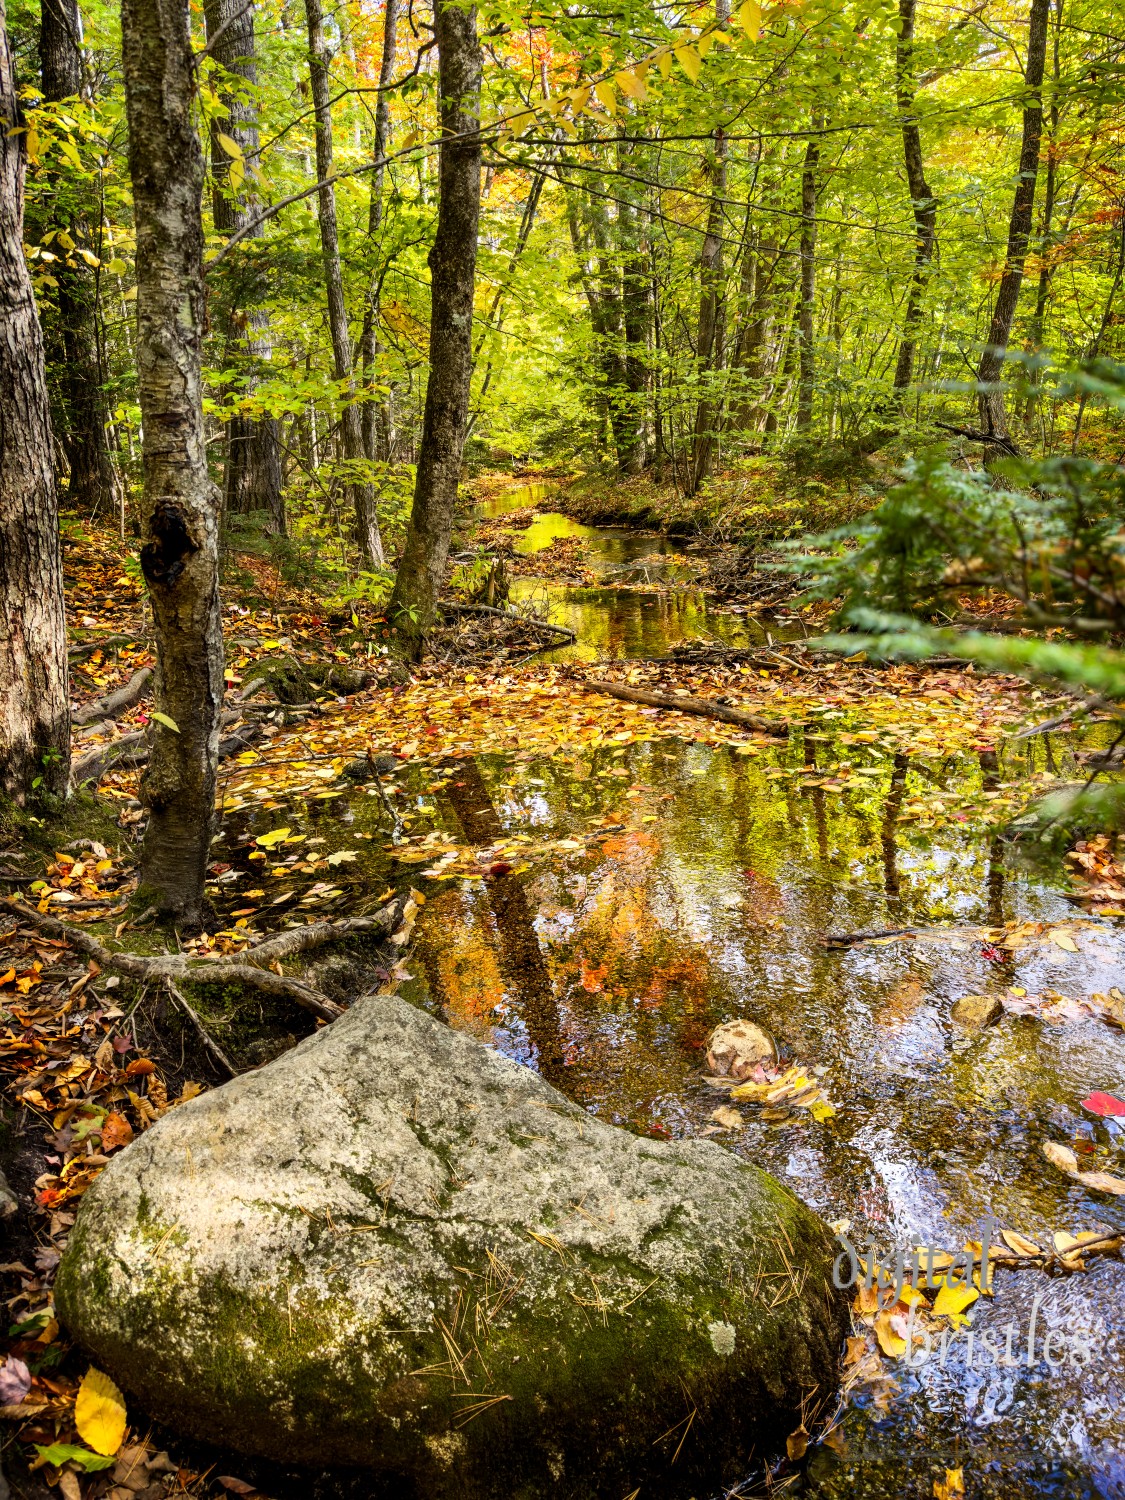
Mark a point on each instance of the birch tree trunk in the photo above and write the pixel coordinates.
(377, 421)
(922, 202)
(179, 508)
(806, 312)
(452, 260)
(252, 480)
(993, 416)
(34, 697)
(93, 483)
(362, 498)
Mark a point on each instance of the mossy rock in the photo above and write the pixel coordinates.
(395, 1248)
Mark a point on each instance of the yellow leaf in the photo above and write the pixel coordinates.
(952, 1487)
(166, 720)
(704, 43)
(236, 175)
(952, 1301)
(750, 19)
(1019, 1243)
(632, 86)
(1064, 941)
(891, 1342)
(99, 1412)
(408, 140)
(606, 96)
(268, 840)
(229, 145)
(664, 63)
(688, 59)
(580, 98)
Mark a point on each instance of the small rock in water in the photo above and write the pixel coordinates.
(977, 1011)
(737, 1047)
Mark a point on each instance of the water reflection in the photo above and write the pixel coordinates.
(711, 899)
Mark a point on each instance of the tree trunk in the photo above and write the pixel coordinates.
(34, 696)
(360, 492)
(179, 508)
(806, 314)
(82, 404)
(709, 331)
(1039, 317)
(993, 417)
(922, 200)
(253, 471)
(453, 261)
(376, 417)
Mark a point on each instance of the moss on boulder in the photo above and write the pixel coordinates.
(395, 1248)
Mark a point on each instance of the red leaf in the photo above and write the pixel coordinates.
(1104, 1104)
(501, 867)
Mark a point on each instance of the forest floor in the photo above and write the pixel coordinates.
(90, 1059)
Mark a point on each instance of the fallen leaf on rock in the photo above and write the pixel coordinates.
(797, 1444)
(99, 1412)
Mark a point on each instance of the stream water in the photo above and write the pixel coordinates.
(607, 966)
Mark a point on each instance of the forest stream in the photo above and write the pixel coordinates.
(712, 897)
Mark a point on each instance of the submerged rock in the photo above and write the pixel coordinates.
(974, 1012)
(736, 1047)
(396, 1248)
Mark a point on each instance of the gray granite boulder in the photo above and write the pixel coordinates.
(395, 1248)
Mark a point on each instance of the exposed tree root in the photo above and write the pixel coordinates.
(244, 969)
(702, 706)
(115, 703)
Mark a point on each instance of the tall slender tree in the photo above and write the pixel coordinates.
(34, 700)
(993, 415)
(922, 202)
(806, 305)
(453, 260)
(362, 497)
(252, 480)
(377, 418)
(80, 380)
(180, 504)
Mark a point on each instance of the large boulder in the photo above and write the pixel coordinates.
(393, 1247)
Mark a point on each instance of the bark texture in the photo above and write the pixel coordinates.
(362, 499)
(922, 200)
(993, 416)
(179, 507)
(453, 260)
(75, 363)
(34, 700)
(252, 480)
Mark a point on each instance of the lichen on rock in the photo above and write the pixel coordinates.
(395, 1248)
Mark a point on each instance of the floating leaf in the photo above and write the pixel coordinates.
(1019, 1243)
(890, 1340)
(271, 840)
(1104, 1104)
(99, 1412)
(343, 857)
(951, 1301)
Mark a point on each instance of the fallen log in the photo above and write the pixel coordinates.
(116, 703)
(93, 765)
(505, 614)
(701, 706)
(242, 969)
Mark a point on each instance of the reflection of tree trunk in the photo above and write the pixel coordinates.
(990, 780)
(521, 958)
(890, 825)
(818, 805)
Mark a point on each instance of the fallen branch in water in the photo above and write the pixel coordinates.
(702, 706)
(242, 969)
(116, 703)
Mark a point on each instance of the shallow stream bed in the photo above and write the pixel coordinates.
(669, 886)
